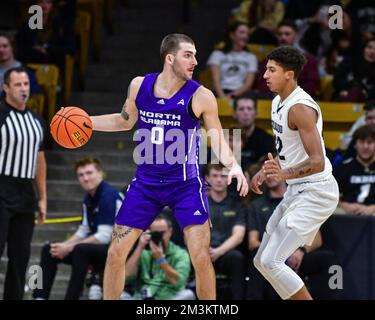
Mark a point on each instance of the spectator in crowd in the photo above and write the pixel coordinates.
(159, 268)
(355, 80)
(233, 68)
(306, 261)
(8, 61)
(297, 9)
(362, 14)
(342, 46)
(49, 44)
(256, 142)
(89, 245)
(316, 33)
(228, 229)
(356, 176)
(287, 35)
(263, 17)
(367, 119)
(22, 171)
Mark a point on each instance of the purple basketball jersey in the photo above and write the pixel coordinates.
(168, 134)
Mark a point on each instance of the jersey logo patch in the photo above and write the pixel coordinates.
(161, 101)
(181, 102)
(197, 213)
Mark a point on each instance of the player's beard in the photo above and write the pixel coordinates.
(177, 70)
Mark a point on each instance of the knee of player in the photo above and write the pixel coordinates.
(200, 259)
(116, 255)
(268, 263)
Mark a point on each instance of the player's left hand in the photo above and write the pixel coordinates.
(295, 260)
(156, 250)
(242, 185)
(271, 168)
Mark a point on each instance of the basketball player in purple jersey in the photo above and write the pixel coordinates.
(163, 102)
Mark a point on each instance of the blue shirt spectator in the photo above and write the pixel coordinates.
(89, 245)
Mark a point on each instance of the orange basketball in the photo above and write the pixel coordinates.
(71, 127)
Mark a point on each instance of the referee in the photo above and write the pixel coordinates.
(22, 166)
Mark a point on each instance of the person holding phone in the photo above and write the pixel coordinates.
(159, 268)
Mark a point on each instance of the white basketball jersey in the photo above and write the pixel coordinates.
(288, 142)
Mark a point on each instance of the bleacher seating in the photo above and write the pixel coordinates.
(36, 103)
(82, 29)
(95, 9)
(47, 76)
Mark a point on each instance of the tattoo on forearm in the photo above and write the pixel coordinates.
(302, 169)
(118, 232)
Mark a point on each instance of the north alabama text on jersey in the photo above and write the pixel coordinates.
(157, 118)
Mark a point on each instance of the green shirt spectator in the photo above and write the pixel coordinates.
(153, 276)
(159, 268)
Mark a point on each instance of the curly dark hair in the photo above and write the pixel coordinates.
(289, 58)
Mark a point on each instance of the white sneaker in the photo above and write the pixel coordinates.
(126, 296)
(95, 292)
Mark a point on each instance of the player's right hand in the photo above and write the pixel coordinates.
(257, 181)
(242, 186)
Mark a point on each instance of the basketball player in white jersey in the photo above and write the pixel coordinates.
(312, 194)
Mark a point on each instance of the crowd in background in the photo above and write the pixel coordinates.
(347, 55)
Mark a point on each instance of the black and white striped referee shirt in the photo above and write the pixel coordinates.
(22, 136)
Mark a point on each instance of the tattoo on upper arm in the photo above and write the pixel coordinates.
(120, 232)
(124, 114)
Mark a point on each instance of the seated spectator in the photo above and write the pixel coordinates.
(356, 176)
(158, 267)
(228, 229)
(263, 18)
(257, 142)
(89, 245)
(49, 44)
(8, 61)
(342, 41)
(362, 14)
(233, 68)
(367, 119)
(355, 80)
(306, 261)
(287, 35)
(315, 32)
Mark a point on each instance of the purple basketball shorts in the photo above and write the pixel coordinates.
(144, 201)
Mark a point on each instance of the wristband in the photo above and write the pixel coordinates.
(162, 259)
(303, 249)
